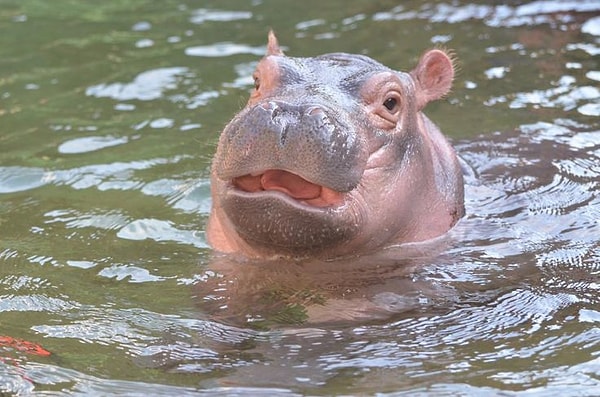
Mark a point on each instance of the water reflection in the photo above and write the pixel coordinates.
(90, 143)
(147, 86)
(224, 49)
(159, 230)
(103, 176)
(553, 12)
(203, 15)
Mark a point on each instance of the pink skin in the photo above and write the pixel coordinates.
(403, 183)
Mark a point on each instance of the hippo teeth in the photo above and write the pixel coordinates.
(290, 184)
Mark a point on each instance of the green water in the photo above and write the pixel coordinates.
(110, 113)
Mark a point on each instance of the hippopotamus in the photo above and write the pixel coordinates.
(332, 157)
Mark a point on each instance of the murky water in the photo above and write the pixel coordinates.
(109, 115)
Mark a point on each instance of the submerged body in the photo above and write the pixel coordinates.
(332, 156)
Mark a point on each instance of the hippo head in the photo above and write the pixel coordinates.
(332, 156)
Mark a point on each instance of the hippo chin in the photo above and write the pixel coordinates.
(332, 156)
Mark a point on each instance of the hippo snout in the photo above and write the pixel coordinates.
(283, 115)
(308, 140)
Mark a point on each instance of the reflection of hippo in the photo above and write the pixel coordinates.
(332, 156)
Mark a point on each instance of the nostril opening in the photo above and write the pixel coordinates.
(314, 111)
(272, 107)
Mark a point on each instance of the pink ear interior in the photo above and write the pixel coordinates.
(434, 75)
(273, 45)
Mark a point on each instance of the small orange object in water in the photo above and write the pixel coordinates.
(24, 346)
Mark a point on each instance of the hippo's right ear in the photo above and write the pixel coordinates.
(433, 75)
(273, 45)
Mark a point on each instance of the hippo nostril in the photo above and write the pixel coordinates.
(269, 105)
(319, 115)
(273, 108)
(315, 111)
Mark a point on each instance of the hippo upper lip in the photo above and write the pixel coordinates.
(320, 144)
(290, 184)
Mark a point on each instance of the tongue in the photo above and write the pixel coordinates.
(290, 184)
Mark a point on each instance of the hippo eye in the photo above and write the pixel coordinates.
(256, 83)
(390, 104)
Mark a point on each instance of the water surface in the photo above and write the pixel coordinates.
(109, 115)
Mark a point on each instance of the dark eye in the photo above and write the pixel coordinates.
(256, 83)
(390, 104)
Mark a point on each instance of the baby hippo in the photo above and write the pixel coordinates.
(332, 156)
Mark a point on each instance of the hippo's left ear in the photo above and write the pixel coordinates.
(433, 75)
(273, 45)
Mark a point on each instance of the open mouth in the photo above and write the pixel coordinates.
(291, 185)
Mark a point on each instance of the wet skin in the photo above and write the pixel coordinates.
(332, 156)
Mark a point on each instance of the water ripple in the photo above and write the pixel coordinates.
(116, 175)
(201, 15)
(514, 314)
(35, 303)
(14, 381)
(94, 325)
(190, 196)
(109, 220)
(132, 274)
(146, 86)
(17, 179)
(560, 197)
(562, 380)
(158, 230)
(22, 282)
(90, 144)
(535, 13)
(82, 384)
(224, 49)
(581, 169)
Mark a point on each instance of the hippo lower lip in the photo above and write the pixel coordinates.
(281, 183)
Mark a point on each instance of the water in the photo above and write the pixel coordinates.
(109, 115)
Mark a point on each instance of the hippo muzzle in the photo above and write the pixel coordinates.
(307, 140)
(285, 169)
